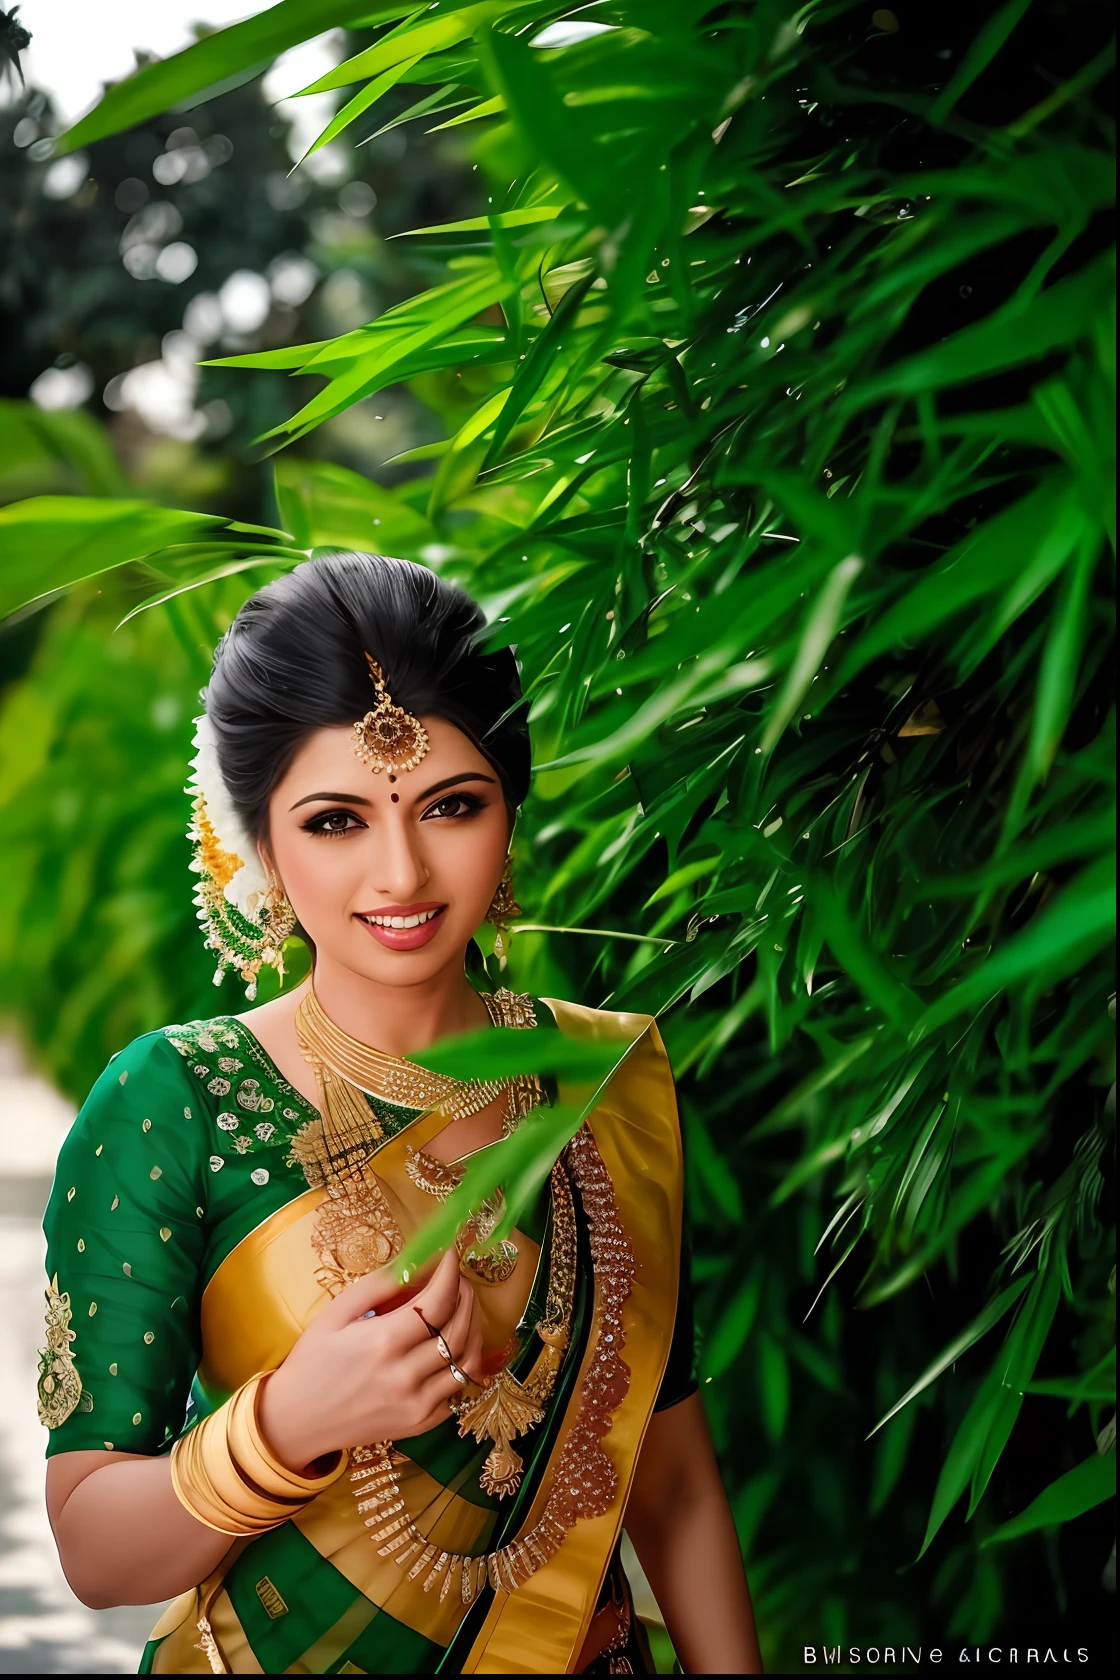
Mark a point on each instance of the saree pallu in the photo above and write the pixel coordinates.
(316, 1595)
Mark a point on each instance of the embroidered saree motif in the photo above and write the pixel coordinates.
(60, 1386)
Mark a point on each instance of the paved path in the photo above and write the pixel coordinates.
(43, 1628)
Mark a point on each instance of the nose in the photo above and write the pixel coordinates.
(399, 871)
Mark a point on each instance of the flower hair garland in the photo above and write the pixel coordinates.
(244, 918)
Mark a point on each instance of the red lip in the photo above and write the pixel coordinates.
(404, 939)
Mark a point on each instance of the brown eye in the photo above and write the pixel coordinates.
(454, 805)
(333, 822)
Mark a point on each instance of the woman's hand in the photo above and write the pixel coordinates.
(351, 1379)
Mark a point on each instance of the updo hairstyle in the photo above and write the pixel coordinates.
(293, 661)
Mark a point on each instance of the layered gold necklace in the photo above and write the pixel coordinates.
(356, 1232)
(584, 1481)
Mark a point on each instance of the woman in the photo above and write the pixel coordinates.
(336, 1474)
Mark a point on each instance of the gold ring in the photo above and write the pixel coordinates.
(445, 1353)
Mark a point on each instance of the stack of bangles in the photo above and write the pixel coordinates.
(225, 1475)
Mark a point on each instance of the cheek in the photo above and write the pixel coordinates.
(316, 872)
(471, 858)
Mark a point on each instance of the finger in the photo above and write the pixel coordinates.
(472, 1354)
(439, 1390)
(440, 1295)
(363, 1295)
(458, 1327)
(454, 1337)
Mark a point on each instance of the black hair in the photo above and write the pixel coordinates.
(294, 660)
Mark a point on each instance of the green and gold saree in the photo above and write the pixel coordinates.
(186, 1251)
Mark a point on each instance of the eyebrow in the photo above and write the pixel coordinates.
(358, 799)
(336, 798)
(452, 781)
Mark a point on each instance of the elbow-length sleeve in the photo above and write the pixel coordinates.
(125, 1250)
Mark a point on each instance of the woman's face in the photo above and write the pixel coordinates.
(389, 878)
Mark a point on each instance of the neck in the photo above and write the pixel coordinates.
(398, 1020)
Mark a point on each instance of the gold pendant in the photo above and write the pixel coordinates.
(502, 1410)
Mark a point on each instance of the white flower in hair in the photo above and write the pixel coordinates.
(247, 884)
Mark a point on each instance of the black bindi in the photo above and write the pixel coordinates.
(396, 798)
(392, 778)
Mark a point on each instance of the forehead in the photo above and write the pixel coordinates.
(327, 759)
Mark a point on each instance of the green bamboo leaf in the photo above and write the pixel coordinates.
(538, 360)
(50, 542)
(519, 1164)
(361, 102)
(1077, 922)
(275, 559)
(984, 1321)
(500, 1053)
(774, 1385)
(960, 1461)
(1088, 1484)
(205, 68)
(733, 1327)
(1019, 1356)
(817, 636)
(440, 100)
(706, 1164)
(857, 956)
(1055, 319)
(497, 219)
(1061, 658)
(984, 47)
(488, 108)
(418, 38)
(328, 506)
(399, 339)
(70, 438)
(1042, 529)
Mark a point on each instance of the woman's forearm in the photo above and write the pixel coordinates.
(122, 1535)
(681, 1527)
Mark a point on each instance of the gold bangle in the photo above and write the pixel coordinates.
(255, 1458)
(225, 1475)
(212, 1492)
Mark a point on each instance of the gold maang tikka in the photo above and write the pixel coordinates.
(388, 738)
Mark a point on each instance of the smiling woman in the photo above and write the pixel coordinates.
(248, 1406)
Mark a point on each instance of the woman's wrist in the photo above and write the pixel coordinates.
(285, 1433)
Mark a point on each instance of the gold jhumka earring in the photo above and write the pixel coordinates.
(388, 738)
(503, 908)
(246, 939)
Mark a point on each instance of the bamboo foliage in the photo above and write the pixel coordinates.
(778, 381)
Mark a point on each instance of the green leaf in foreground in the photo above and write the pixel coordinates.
(1089, 1483)
(498, 1053)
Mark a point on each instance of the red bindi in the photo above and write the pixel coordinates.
(396, 798)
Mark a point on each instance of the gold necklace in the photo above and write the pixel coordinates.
(585, 1481)
(341, 1058)
(506, 1407)
(490, 1264)
(355, 1230)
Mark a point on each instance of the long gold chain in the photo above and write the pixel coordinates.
(585, 1481)
(505, 1407)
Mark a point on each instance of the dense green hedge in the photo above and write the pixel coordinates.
(778, 389)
